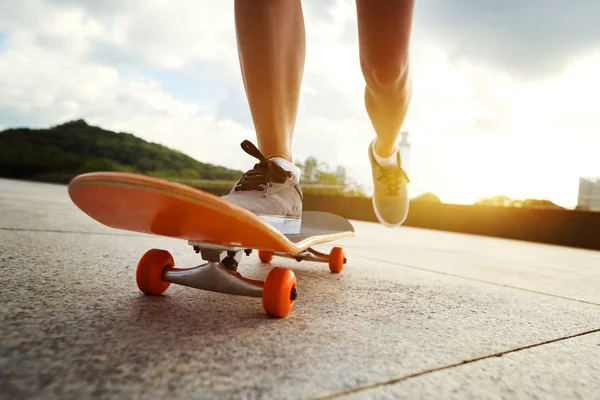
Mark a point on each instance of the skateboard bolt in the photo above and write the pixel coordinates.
(294, 294)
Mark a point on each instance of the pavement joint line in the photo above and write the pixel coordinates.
(449, 366)
(462, 253)
(479, 280)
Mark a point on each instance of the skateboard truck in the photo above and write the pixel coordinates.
(217, 275)
(309, 254)
(156, 271)
(336, 258)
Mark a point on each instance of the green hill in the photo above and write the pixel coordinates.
(66, 150)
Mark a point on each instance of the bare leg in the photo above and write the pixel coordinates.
(271, 46)
(384, 28)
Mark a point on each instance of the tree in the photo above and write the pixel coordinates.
(76, 147)
(429, 198)
(318, 178)
(505, 201)
(500, 201)
(536, 203)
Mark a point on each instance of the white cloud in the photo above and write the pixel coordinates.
(52, 84)
(530, 39)
(475, 130)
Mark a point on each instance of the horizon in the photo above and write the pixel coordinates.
(331, 170)
(503, 100)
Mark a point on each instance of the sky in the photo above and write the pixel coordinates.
(505, 97)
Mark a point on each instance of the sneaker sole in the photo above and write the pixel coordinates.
(285, 225)
(384, 222)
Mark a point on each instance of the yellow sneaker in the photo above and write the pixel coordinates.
(390, 196)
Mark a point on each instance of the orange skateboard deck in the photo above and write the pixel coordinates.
(216, 227)
(156, 206)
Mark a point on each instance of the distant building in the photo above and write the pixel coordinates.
(589, 194)
(405, 151)
(341, 173)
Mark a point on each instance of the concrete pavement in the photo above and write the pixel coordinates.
(415, 313)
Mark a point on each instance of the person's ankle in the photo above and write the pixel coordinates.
(384, 151)
(288, 166)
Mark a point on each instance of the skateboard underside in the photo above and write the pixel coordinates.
(219, 273)
(317, 228)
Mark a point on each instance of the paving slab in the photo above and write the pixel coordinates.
(554, 270)
(74, 325)
(566, 369)
(44, 207)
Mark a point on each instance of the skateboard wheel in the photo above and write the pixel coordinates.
(265, 256)
(336, 260)
(149, 273)
(279, 292)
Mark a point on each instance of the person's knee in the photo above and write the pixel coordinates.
(388, 76)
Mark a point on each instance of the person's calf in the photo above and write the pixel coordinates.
(387, 98)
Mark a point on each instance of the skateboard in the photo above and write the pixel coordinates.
(220, 231)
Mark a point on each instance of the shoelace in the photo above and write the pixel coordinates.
(392, 179)
(263, 174)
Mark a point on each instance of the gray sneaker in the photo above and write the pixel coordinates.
(390, 196)
(270, 192)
